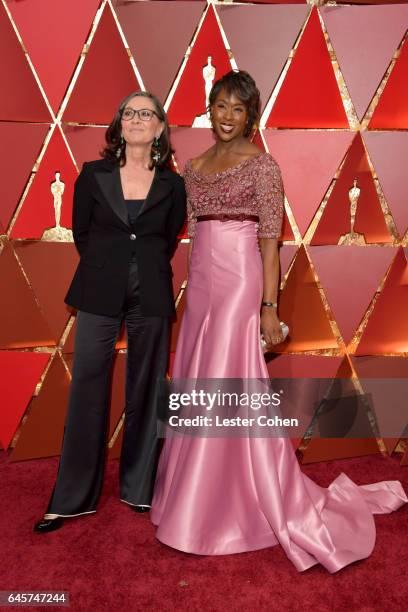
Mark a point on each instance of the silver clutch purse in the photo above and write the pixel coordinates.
(285, 332)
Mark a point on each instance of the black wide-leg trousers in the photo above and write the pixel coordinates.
(81, 468)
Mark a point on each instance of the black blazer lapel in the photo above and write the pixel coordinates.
(159, 189)
(111, 187)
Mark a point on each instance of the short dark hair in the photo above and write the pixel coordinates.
(116, 152)
(241, 84)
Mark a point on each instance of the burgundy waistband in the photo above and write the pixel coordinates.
(228, 217)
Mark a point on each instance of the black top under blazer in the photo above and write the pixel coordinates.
(105, 240)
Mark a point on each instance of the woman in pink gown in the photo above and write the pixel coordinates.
(216, 496)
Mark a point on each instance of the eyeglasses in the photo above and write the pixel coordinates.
(144, 114)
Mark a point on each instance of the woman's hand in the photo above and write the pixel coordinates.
(270, 326)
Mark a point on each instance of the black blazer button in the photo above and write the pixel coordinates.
(132, 236)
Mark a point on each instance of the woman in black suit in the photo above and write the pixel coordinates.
(128, 210)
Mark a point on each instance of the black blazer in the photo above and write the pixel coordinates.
(105, 240)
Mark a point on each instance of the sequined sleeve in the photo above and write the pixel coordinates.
(191, 214)
(269, 194)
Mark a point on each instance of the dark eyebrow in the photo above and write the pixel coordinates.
(139, 109)
(237, 103)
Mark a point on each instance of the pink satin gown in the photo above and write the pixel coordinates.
(216, 496)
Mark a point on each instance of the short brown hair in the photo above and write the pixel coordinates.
(241, 84)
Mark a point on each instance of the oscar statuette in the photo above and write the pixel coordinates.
(353, 237)
(57, 233)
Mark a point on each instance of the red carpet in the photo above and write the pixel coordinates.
(111, 560)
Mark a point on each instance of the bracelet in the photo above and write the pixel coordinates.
(270, 304)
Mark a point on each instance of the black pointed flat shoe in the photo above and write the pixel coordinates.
(46, 525)
(141, 508)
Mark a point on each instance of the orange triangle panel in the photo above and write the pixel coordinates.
(188, 101)
(369, 221)
(49, 267)
(309, 96)
(11, 136)
(54, 53)
(105, 78)
(22, 324)
(302, 309)
(38, 213)
(392, 109)
(41, 435)
(20, 373)
(20, 99)
(387, 327)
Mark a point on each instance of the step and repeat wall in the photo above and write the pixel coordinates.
(334, 87)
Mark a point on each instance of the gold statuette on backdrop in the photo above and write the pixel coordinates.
(353, 237)
(58, 233)
(203, 120)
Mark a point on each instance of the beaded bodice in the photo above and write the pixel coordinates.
(252, 187)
